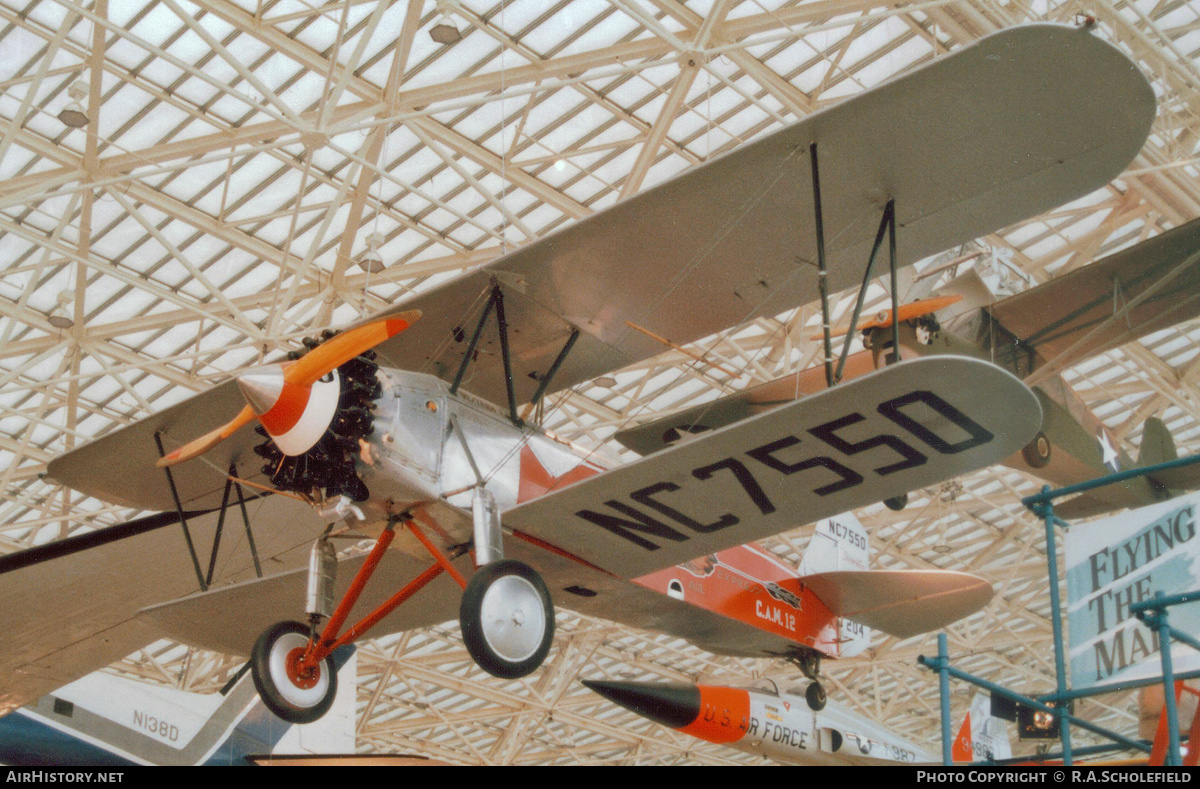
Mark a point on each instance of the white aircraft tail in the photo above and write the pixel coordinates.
(982, 737)
(840, 544)
(901, 603)
(106, 720)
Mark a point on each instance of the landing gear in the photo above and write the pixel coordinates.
(896, 503)
(507, 619)
(815, 696)
(506, 614)
(1037, 452)
(295, 692)
(809, 663)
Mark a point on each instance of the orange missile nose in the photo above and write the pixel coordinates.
(262, 387)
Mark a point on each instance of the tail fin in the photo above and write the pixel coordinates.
(103, 719)
(982, 737)
(963, 748)
(1159, 447)
(840, 543)
(1157, 444)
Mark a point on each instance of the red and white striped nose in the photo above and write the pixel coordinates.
(295, 416)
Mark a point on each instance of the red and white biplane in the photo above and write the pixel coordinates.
(388, 430)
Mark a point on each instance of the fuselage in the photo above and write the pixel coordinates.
(780, 727)
(430, 449)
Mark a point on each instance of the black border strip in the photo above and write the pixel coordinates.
(83, 542)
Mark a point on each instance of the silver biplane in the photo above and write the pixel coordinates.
(390, 430)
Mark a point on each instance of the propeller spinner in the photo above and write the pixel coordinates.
(295, 401)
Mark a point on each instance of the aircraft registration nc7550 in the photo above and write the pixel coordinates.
(407, 449)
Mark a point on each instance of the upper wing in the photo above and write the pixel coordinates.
(890, 432)
(70, 607)
(983, 137)
(1127, 295)
(986, 136)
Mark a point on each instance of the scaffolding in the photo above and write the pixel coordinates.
(1152, 612)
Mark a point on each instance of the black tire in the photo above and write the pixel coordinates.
(1038, 451)
(815, 696)
(268, 660)
(896, 503)
(508, 652)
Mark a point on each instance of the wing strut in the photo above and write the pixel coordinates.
(822, 280)
(496, 301)
(187, 534)
(886, 224)
(230, 483)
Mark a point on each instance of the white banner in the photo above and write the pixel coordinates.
(1121, 560)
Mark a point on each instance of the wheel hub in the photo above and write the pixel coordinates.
(512, 618)
(301, 674)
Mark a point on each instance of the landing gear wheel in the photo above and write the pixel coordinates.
(507, 619)
(896, 503)
(809, 664)
(295, 695)
(815, 696)
(1037, 452)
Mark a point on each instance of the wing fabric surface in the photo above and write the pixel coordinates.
(1127, 295)
(986, 136)
(901, 603)
(981, 138)
(893, 431)
(230, 619)
(69, 608)
(662, 432)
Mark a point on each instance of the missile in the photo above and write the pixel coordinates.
(780, 727)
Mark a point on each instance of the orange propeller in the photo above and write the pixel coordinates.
(907, 313)
(301, 374)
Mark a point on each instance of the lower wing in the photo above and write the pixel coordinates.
(897, 430)
(70, 607)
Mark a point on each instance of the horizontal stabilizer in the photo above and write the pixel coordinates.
(1180, 478)
(901, 603)
(1087, 505)
(1158, 446)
